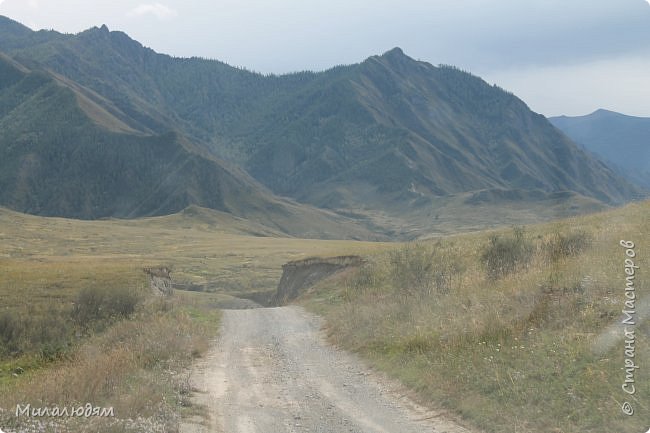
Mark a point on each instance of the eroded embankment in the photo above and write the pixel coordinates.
(298, 276)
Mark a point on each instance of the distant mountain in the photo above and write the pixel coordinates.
(395, 130)
(58, 157)
(390, 138)
(622, 141)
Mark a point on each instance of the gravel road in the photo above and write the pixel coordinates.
(271, 371)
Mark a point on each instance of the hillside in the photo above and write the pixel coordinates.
(396, 130)
(388, 142)
(511, 330)
(620, 140)
(59, 157)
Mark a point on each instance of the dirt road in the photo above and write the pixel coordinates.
(271, 371)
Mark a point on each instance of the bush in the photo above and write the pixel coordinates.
(97, 306)
(11, 332)
(507, 254)
(448, 267)
(566, 245)
(420, 269)
(34, 331)
(412, 268)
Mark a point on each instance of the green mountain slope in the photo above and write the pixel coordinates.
(57, 160)
(402, 129)
(620, 140)
(390, 138)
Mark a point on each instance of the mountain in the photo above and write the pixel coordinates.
(390, 142)
(622, 141)
(395, 130)
(61, 154)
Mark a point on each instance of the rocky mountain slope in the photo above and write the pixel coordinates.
(388, 142)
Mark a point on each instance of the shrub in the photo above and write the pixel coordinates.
(506, 254)
(49, 332)
(412, 268)
(420, 269)
(566, 245)
(11, 332)
(448, 267)
(42, 331)
(364, 278)
(97, 306)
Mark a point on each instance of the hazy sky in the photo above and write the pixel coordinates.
(560, 56)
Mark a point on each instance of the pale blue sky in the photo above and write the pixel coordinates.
(560, 56)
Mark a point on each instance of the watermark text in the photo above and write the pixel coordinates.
(85, 411)
(629, 321)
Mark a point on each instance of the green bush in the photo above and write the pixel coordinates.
(96, 306)
(506, 254)
(566, 245)
(11, 332)
(412, 269)
(34, 331)
(448, 267)
(419, 268)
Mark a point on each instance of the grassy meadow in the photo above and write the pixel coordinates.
(83, 330)
(503, 328)
(79, 323)
(506, 328)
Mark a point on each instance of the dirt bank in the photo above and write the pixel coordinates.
(300, 275)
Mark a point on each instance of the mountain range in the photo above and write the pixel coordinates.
(95, 125)
(620, 140)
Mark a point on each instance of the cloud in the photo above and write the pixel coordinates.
(158, 10)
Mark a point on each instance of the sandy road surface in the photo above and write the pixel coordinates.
(271, 371)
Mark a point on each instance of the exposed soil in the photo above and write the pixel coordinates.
(272, 371)
(300, 275)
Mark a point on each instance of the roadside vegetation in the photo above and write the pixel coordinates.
(504, 328)
(79, 324)
(500, 327)
(92, 332)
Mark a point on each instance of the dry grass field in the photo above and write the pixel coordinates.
(202, 246)
(502, 327)
(133, 359)
(507, 329)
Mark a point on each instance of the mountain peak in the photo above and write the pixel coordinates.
(395, 55)
(395, 58)
(103, 30)
(395, 52)
(603, 111)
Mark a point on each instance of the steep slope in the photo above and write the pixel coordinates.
(424, 132)
(57, 160)
(150, 91)
(390, 136)
(622, 141)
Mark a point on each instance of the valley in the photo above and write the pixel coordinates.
(95, 125)
(399, 316)
(381, 246)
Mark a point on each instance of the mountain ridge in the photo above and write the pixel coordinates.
(619, 139)
(387, 137)
(57, 161)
